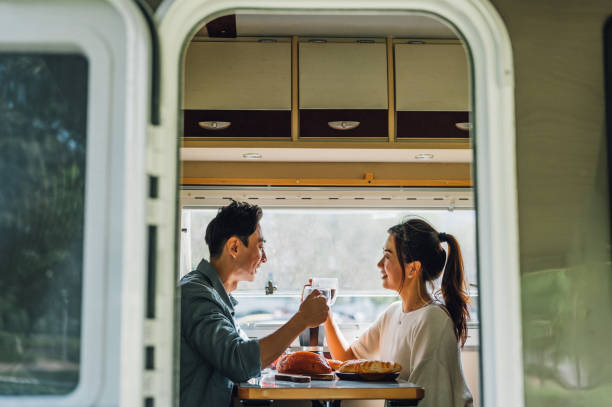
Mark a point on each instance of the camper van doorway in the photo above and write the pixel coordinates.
(330, 122)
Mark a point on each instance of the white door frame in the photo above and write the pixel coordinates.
(493, 89)
(112, 35)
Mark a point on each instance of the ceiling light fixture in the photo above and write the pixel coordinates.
(424, 156)
(251, 156)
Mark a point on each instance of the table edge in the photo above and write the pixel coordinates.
(306, 393)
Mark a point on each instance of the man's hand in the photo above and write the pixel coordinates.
(314, 309)
(313, 312)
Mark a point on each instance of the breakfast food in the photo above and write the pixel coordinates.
(350, 366)
(334, 364)
(303, 362)
(369, 366)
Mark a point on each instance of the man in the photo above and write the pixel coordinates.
(215, 353)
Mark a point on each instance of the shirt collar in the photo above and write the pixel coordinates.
(211, 274)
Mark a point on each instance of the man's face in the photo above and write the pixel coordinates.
(251, 256)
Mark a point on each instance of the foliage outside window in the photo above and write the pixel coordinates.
(43, 115)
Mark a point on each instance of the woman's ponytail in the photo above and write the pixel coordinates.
(415, 239)
(454, 288)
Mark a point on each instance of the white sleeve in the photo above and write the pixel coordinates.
(368, 344)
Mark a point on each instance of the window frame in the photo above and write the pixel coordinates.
(105, 33)
(486, 38)
(405, 199)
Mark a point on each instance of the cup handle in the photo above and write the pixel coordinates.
(303, 288)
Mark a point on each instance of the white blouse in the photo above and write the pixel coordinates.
(423, 341)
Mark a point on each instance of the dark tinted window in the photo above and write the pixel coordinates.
(43, 115)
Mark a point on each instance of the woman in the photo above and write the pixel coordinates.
(418, 332)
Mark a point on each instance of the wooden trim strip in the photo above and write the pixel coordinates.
(391, 89)
(410, 393)
(339, 182)
(295, 108)
(378, 143)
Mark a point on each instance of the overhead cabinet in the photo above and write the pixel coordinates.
(340, 89)
(238, 89)
(432, 90)
(343, 88)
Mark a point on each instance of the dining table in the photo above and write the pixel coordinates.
(264, 389)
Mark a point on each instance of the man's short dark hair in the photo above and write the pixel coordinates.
(238, 219)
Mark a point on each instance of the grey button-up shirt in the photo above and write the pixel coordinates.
(214, 352)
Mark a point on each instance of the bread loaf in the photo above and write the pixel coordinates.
(369, 366)
(350, 366)
(334, 364)
(305, 363)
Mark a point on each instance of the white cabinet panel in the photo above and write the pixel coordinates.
(431, 77)
(343, 75)
(238, 76)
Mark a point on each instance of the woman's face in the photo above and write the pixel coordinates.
(390, 269)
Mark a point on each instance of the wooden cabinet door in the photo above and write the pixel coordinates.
(343, 83)
(432, 90)
(238, 89)
(238, 76)
(343, 75)
(431, 77)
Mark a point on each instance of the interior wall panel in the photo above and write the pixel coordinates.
(562, 199)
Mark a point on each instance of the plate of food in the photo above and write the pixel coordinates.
(374, 377)
(368, 370)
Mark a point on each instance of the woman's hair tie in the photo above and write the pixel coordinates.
(443, 237)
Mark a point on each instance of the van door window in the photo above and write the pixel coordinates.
(43, 116)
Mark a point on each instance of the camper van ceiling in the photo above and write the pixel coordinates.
(327, 155)
(248, 24)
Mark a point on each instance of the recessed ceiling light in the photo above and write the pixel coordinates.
(424, 156)
(251, 156)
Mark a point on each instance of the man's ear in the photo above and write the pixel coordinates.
(232, 246)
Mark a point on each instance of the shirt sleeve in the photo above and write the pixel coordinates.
(368, 344)
(210, 332)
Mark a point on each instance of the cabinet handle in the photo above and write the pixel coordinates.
(343, 125)
(463, 126)
(214, 125)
